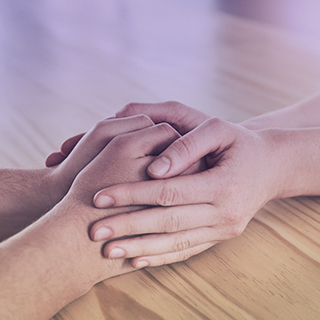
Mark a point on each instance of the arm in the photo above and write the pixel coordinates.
(52, 262)
(304, 114)
(25, 195)
(19, 187)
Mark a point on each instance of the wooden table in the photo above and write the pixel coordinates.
(66, 64)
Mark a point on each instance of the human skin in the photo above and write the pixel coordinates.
(303, 114)
(41, 189)
(247, 168)
(52, 262)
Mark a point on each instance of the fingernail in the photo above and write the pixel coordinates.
(102, 233)
(160, 166)
(103, 201)
(142, 264)
(116, 253)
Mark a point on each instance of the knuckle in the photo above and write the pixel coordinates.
(103, 130)
(124, 226)
(121, 142)
(130, 108)
(161, 261)
(217, 123)
(121, 148)
(233, 217)
(141, 250)
(166, 129)
(235, 231)
(185, 146)
(180, 115)
(124, 191)
(168, 195)
(222, 127)
(145, 120)
(99, 127)
(171, 222)
(180, 243)
(174, 104)
(184, 255)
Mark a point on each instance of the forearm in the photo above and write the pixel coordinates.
(51, 263)
(25, 195)
(304, 114)
(296, 161)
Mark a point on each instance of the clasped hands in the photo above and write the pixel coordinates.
(207, 182)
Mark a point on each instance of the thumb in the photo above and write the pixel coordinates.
(212, 136)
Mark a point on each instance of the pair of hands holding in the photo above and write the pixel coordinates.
(207, 183)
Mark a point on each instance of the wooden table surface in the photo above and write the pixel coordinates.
(66, 64)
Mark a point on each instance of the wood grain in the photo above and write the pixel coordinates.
(64, 65)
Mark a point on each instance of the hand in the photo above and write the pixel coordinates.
(88, 146)
(179, 116)
(60, 262)
(196, 211)
(29, 194)
(124, 159)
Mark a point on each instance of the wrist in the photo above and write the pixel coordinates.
(303, 114)
(256, 123)
(92, 267)
(295, 160)
(56, 190)
(69, 222)
(70, 246)
(275, 119)
(26, 195)
(51, 251)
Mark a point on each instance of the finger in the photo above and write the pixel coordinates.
(196, 188)
(156, 244)
(211, 137)
(155, 220)
(130, 153)
(172, 257)
(214, 136)
(150, 141)
(68, 145)
(181, 117)
(95, 140)
(54, 159)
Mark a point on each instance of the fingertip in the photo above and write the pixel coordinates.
(102, 233)
(101, 201)
(116, 253)
(68, 145)
(139, 264)
(48, 162)
(159, 167)
(54, 159)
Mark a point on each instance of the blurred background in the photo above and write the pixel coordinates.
(299, 16)
(65, 64)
